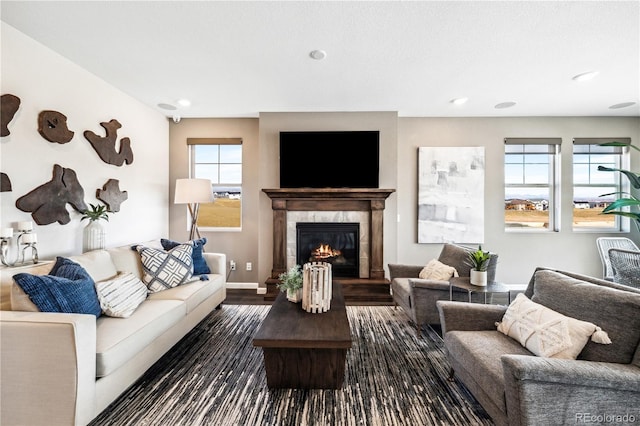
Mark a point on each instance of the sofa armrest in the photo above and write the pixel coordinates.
(404, 271)
(538, 389)
(468, 316)
(48, 368)
(217, 262)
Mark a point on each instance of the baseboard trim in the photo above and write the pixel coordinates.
(243, 286)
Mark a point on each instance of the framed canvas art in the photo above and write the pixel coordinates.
(451, 195)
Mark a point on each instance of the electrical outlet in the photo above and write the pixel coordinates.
(232, 265)
(249, 266)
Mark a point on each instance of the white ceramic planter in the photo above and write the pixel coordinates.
(93, 236)
(478, 278)
(294, 296)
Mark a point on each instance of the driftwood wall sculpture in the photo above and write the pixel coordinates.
(106, 146)
(5, 183)
(47, 203)
(9, 105)
(111, 195)
(52, 125)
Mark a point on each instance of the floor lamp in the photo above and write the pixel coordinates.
(192, 192)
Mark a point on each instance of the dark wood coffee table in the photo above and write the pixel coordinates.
(304, 350)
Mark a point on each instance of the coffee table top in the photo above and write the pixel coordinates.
(491, 287)
(287, 325)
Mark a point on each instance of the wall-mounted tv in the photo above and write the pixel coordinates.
(332, 159)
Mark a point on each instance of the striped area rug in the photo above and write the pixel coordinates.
(214, 376)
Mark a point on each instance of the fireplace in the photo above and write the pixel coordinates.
(335, 243)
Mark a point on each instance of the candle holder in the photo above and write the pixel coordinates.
(29, 241)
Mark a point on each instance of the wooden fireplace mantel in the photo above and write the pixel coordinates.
(328, 199)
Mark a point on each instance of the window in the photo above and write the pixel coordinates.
(531, 190)
(219, 160)
(590, 185)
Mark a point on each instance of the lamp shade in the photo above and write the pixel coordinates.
(193, 191)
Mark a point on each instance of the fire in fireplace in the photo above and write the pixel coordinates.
(335, 243)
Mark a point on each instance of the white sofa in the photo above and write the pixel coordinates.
(64, 369)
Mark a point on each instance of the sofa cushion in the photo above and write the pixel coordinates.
(436, 270)
(97, 263)
(193, 293)
(200, 266)
(546, 332)
(118, 340)
(166, 269)
(615, 311)
(480, 351)
(120, 296)
(68, 288)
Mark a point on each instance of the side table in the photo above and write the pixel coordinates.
(463, 283)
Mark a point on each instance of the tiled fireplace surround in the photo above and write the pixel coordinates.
(364, 206)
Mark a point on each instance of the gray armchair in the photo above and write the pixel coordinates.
(418, 297)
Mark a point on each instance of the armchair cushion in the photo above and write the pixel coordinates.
(436, 270)
(546, 332)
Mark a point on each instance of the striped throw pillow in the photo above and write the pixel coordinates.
(120, 296)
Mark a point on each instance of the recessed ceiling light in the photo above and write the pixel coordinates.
(184, 102)
(459, 101)
(318, 55)
(585, 76)
(503, 105)
(168, 107)
(622, 105)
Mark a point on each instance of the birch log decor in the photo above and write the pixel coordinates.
(316, 287)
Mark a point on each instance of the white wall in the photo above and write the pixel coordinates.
(44, 80)
(519, 253)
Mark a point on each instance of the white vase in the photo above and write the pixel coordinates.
(294, 296)
(478, 278)
(93, 236)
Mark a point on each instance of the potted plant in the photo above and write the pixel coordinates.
(94, 233)
(479, 262)
(619, 206)
(291, 283)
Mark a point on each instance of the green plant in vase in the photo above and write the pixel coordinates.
(94, 233)
(627, 205)
(479, 262)
(291, 283)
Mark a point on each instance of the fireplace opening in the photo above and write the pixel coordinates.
(335, 243)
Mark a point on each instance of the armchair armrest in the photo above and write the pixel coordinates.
(468, 316)
(217, 262)
(566, 391)
(48, 368)
(418, 283)
(404, 271)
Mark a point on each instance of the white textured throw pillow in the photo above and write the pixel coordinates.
(546, 332)
(120, 296)
(436, 270)
(163, 270)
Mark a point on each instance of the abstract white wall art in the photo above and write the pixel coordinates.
(451, 195)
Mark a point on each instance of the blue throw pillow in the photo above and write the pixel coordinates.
(199, 264)
(68, 288)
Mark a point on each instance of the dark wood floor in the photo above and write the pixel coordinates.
(250, 297)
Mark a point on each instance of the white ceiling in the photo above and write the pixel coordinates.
(237, 59)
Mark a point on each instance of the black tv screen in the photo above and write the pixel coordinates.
(339, 159)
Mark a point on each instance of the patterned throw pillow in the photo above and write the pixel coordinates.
(436, 270)
(166, 269)
(546, 332)
(120, 296)
(68, 288)
(200, 266)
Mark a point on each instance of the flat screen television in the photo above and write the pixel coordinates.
(334, 159)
